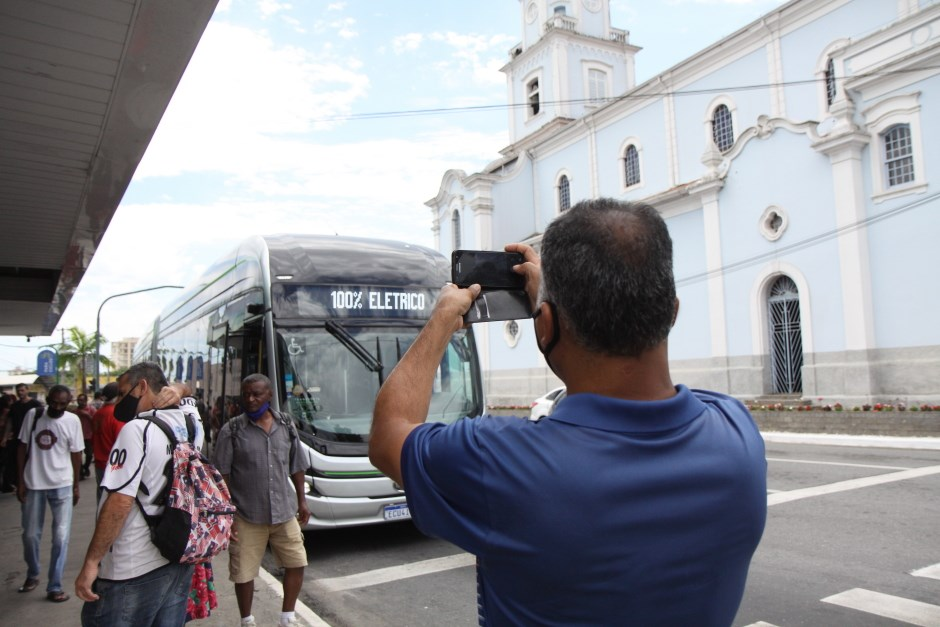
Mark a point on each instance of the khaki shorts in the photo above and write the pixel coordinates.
(244, 556)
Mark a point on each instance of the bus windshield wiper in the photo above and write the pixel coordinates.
(346, 339)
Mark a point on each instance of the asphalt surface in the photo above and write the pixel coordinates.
(33, 608)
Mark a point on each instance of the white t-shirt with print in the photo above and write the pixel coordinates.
(50, 447)
(138, 458)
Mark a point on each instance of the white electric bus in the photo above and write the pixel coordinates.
(326, 318)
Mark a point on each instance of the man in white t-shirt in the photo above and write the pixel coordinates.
(49, 459)
(124, 579)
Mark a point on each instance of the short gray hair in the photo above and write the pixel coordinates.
(607, 267)
(150, 372)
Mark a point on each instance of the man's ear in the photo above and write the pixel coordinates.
(544, 324)
(675, 313)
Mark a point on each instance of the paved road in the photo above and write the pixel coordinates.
(852, 539)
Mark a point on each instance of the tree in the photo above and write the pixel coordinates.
(77, 354)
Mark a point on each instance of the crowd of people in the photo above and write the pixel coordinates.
(48, 451)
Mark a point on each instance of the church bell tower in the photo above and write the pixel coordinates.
(570, 62)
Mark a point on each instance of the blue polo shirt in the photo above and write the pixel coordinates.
(607, 512)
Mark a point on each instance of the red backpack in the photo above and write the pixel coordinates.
(198, 512)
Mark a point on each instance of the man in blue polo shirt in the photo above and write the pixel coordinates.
(637, 501)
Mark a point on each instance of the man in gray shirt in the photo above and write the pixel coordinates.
(259, 454)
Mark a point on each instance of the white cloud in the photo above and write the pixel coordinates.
(238, 91)
(272, 7)
(407, 43)
(477, 56)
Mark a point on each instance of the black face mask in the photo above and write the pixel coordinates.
(55, 413)
(556, 334)
(126, 409)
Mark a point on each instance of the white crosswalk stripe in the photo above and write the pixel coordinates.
(933, 572)
(394, 573)
(888, 606)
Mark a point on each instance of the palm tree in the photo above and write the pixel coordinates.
(78, 354)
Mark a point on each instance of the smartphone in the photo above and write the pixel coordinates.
(494, 305)
(491, 269)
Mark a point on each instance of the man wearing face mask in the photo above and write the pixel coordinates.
(49, 459)
(124, 579)
(636, 501)
(260, 456)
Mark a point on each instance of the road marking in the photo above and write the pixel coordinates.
(932, 572)
(897, 608)
(394, 573)
(300, 609)
(851, 484)
(810, 461)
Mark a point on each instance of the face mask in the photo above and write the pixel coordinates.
(55, 413)
(126, 410)
(556, 334)
(255, 415)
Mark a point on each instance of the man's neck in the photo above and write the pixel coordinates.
(643, 378)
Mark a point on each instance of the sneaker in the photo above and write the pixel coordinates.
(250, 623)
(293, 622)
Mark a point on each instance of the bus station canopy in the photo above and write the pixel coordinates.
(83, 86)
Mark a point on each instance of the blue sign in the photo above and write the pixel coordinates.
(46, 363)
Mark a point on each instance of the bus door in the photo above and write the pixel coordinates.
(237, 355)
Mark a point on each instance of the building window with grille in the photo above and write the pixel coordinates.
(455, 225)
(564, 194)
(532, 95)
(597, 86)
(830, 82)
(631, 166)
(722, 129)
(786, 335)
(898, 155)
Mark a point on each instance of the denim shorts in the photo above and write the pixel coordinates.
(157, 598)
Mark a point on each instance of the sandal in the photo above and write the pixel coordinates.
(29, 586)
(58, 596)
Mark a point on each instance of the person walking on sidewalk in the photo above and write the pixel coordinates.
(49, 459)
(259, 455)
(104, 429)
(84, 413)
(21, 406)
(124, 580)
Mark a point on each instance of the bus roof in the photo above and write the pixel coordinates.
(326, 260)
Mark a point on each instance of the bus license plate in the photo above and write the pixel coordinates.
(397, 512)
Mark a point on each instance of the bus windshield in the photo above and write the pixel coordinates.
(331, 378)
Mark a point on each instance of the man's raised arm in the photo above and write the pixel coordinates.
(402, 403)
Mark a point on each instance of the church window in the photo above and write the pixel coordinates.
(564, 193)
(899, 155)
(830, 82)
(631, 166)
(597, 86)
(722, 129)
(455, 224)
(532, 90)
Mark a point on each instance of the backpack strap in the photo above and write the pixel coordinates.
(29, 443)
(287, 422)
(168, 468)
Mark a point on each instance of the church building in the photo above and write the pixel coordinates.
(793, 165)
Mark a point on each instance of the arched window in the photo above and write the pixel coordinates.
(631, 166)
(830, 82)
(564, 194)
(455, 226)
(899, 155)
(532, 94)
(722, 130)
(786, 337)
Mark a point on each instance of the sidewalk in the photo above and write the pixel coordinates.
(32, 608)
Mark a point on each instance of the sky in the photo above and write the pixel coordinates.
(331, 118)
